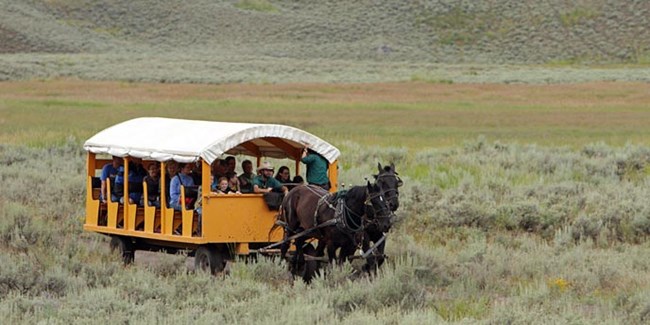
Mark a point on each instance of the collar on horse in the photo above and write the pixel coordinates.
(346, 220)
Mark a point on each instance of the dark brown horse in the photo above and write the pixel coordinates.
(389, 183)
(334, 219)
(374, 234)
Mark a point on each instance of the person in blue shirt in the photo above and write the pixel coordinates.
(137, 173)
(183, 178)
(109, 171)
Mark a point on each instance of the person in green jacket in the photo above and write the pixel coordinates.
(316, 168)
(265, 182)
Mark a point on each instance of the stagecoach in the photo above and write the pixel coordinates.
(231, 225)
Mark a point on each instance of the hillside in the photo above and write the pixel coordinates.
(243, 38)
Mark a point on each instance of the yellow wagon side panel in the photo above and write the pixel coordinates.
(239, 219)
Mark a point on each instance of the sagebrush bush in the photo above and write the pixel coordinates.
(523, 234)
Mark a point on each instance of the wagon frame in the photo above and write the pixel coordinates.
(231, 225)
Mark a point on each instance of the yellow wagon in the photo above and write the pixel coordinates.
(230, 225)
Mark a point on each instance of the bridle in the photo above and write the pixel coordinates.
(373, 214)
(385, 192)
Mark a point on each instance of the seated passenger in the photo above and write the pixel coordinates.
(223, 186)
(233, 182)
(117, 186)
(218, 170)
(137, 173)
(265, 183)
(109, 171)
(231, 164)
(246, 178)
(183, 178)
(172, 170)
(284, 177)
(153, 185)
(197, 172)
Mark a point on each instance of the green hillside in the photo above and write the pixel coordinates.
(281, 40)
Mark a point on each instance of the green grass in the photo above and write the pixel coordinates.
(457, 114)
(578, 16)
(256, 5)
(549, 224)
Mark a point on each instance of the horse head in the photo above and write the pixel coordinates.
(389, 182)
(377, 208)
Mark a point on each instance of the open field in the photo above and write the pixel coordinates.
(522, 205)
(412, 115)
(279, 41)
(521, 130)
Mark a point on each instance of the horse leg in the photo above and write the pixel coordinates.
(310, 267)
(284, 248)
(376, 259)
(331, 251)
(347, 249)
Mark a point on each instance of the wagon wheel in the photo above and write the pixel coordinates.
(209, 259)
(125, 247)
(309, 268)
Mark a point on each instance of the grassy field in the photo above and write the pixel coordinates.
(522, 205)
(412, 115)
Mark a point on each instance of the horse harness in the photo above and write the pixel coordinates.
(341, 219)
(346, 219)
(385, 192)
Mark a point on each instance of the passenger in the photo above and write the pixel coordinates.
(246, 178)
(117, 191)
(215, 166)
(172, 170)
(153, 185)
(265, 183)
(316, 168)
(219, 170)
(198, 208)
(231, 164)
(223, 186)
(197, 173)
(283, 175)
(109, 172)
(137, 173)
(183, 178)
(298, 180)
(233, 182)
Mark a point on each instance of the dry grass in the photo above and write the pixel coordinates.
(412, 114)
(584, 95)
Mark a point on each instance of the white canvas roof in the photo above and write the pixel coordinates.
(162, 139)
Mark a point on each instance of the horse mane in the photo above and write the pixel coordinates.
(357, 192)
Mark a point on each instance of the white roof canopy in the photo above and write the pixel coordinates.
(162, 139)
